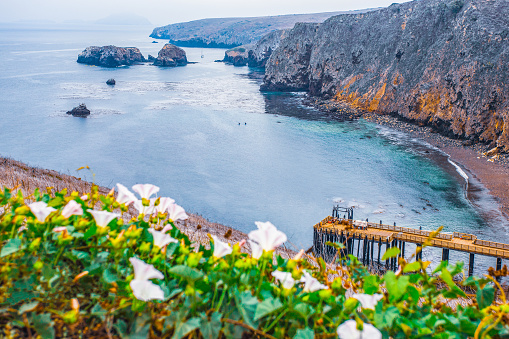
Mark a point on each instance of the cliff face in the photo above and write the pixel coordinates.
(232, 32)
(437, 62)
(110, 56)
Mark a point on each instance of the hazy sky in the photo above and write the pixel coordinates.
(161, 12)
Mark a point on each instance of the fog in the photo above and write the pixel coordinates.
(162, 12)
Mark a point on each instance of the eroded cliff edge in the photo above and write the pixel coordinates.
(442, 63)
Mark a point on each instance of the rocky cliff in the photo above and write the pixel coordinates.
(232, 32)
(443, 63)
(110, 56)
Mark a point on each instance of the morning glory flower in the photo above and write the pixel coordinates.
(103, 218)
(161, 239)
(267, 236)
(256, 250)
(72, 208)
(164, 203)
(41, 210)
(311, 284)
(220, 248)
(124, 195)
(143, 288)
(142, 209)
(145, 191)
(176, 212)
(367, 300)
(348, 330)
(59, 229)
(285, 278)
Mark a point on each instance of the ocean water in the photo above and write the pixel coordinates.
(211, 140)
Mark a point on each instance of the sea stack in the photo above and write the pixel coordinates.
(110, 56)
(171, 56)
(111, 82)
(80, 111)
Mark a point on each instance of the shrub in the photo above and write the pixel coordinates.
(71, 267)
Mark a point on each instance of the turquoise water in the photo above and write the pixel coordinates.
(207, 136)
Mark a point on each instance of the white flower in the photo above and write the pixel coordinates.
(311, 284)
(176, 212)
(256, 250)
(267, 236)
(164, 203)
(161, 239)
(124, 195)
(368, 301)
(59, 229)
(348, 330)
(145, 191)
(166, 228)
(142, 209)
(285, 278)
(220, 248)
(103, 218)
(143, 288)
(72, 208)
(41, 210)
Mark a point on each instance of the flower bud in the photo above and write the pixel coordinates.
(350, 304)
(22, 210)
(145, 247)
(34, 245)
(38, 265)
(70, 317)
(324, 294)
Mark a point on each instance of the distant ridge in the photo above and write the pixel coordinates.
(233, 32)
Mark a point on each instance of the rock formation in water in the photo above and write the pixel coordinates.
(80, 111)
(232, 32)
(111, 82)
(171, 56)
(443, 63)
(110, 56)
(255, 55)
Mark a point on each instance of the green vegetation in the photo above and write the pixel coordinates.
(72, 266)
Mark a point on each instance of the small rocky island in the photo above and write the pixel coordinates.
(171, 56)
(111, 56)
(80, 111)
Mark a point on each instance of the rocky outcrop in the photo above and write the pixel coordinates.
(255, 55)
(232, 32)
(111, 82)
(80, 111)
(171, 56)
(443, 63)
(237, 56)
(110, 56)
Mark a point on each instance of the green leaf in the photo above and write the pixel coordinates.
(56, 202)
(396, 286)
(92, 230)
(385, 319)
(12, 246)
(412, 267)
(246, 304)
(485, 296)
(186, 272)
(211, 328)
(371, 284)
(447, 277)
(81, 255)
(44, 325)
(184, 328)
(266, 307)
(28, 307)
(109, 275)
(391, 253)
(306, 333)
(304, 309)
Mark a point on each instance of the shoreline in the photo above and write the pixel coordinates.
(491, 172)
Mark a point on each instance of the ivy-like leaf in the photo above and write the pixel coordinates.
(44, 325)
(412, 267)
(184, 328)
(485, 296)
(211, 328)
(266, 307)
(306, 333)
(12, 246)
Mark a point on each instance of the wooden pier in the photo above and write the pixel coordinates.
(371, 235)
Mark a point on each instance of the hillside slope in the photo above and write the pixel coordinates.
(442, 63)
(232, 32)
